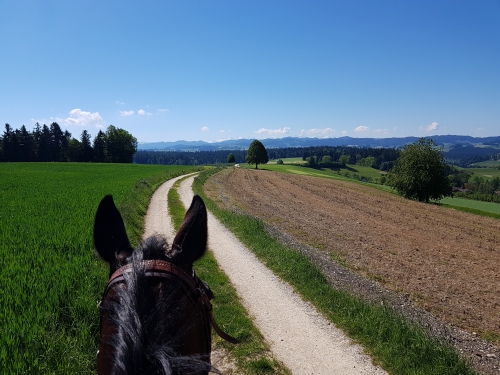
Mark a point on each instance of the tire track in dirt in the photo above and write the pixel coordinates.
(298, 335)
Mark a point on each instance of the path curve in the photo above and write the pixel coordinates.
(157, 219)
(298, 335)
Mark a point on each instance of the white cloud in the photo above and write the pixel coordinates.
(344, 132)
(362, 129)
(142, 112)
(430, 127)
(317, 132)
(163, 110)
(77, 117)
(222, 131)
(118, 102)
(285, 130)
(205, 129)
(126, 113)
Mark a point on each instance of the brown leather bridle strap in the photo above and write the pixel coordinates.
(160, 268)
(219, 331)
(154, 267)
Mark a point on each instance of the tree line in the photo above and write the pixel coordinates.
(463, 156)
(337, 154)
(189, 157)
(354, 155)
(52, 144)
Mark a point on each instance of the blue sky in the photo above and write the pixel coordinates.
(212, 70)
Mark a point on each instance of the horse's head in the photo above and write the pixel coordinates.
(155, 312)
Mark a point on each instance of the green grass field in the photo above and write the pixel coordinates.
(489, 164)
(349, 173)
(488, 173)
(473, 206)
(50, 279)
(297, 160)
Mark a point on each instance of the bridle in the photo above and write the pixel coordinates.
(164, 269)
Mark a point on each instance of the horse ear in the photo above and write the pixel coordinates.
(110, 237)
(190, 242)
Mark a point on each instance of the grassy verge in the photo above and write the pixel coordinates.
(252, 355)
(398, 346)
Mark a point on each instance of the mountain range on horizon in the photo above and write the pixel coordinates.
(243, 144)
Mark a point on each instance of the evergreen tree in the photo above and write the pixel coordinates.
(100, 147)
(26, 145)
(44, 149)
(86, 151)
(7, 143)
(58, 143)
(37, 132)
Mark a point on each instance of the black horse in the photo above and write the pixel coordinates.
(156, 314)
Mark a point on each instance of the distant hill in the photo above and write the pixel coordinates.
(458, 150)
(447, 141)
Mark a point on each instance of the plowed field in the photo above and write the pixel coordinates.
(445, 261)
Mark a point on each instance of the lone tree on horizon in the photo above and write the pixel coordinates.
(420, 172)
(257, 154)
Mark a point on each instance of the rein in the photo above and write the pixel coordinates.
(163, 269)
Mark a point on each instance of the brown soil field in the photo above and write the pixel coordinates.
(445, 261)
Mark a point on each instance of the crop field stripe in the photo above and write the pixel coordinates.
(397, 345)
(50, 278)
(489, 209)
(252, 355)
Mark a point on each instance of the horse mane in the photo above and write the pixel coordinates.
(139, 343)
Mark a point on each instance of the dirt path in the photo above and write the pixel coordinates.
(299, 336)
(157, 220)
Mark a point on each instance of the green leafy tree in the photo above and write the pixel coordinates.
(312, 161)
(74, 150)
(420, 172)
(230, 158)
(344, 159)
(257, 154)
(120, 145)
(327, 159)
(369, 161)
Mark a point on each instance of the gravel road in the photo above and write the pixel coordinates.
(298, 335)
